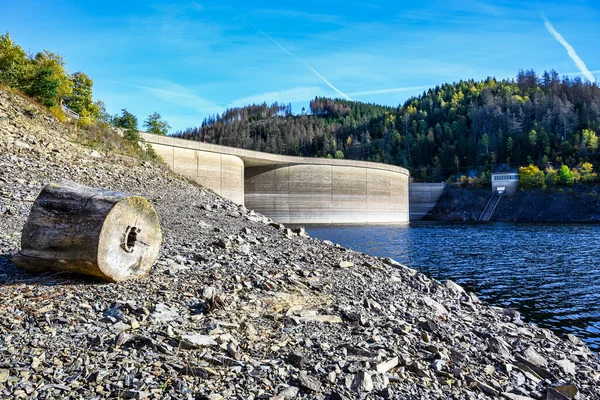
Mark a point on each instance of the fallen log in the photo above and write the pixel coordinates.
(75, 228)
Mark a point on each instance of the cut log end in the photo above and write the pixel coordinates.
(130, 240)
(74, 228)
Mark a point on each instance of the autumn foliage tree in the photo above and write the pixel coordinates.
(531, 177)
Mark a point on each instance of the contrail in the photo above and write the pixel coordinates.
(578, 61)
(291, 55)
(306, 65)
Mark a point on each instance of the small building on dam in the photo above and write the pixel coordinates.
(296, 190)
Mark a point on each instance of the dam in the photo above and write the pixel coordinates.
(296, 190)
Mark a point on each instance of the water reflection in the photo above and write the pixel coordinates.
(548, 272)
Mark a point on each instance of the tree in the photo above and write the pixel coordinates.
(103, 116)
(551, 177)
(509, 145)
(485, 142)
(590, 139)
(587, 172)
(80, 99)
(13, 63)
(126, 120)
(47, 60)
(531, 177)
(155, 124)
(339, 154)
(45, 87)
(566, 176)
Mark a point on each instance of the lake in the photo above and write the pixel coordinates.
(550, 273)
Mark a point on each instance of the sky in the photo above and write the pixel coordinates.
(190, 59)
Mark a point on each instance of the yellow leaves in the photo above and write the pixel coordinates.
(391, 118)
(531, 177)
(457, 98)
(56, 63)
(591, 139)
(587, 173)
(58, 113)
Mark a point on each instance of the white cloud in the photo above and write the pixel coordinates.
(390, 90)
(570, 50)
(595, 71)
(184, 97)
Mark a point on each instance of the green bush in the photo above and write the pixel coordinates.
(551, 177)
(45, 87)
(132, 135)
(566, 176)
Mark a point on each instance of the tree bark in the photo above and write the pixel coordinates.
(105, 234)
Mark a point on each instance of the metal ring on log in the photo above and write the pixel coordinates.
(110, 235)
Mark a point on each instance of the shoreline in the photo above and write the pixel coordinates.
(582, 205)
(238, 307)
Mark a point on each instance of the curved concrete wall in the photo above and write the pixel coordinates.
(222, 173)
(292, 189)
(327, 194)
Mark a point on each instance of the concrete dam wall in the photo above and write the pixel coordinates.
(222, 173)
(423, 197)
(332, 194)
(289, 189)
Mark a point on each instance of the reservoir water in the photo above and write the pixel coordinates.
(550, 273)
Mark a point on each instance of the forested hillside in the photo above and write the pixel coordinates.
(464, 128)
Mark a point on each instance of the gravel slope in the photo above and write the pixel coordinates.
(239, 307)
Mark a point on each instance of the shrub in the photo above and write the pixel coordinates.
(151, 154)
(531, 177)
(576, 175)
(551, 177)
(132, 135)
(58, 113)
(587, 172)
(85, 122)
(566, 176)
(485, 179)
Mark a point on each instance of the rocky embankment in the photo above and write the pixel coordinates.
(240, 307)
(580, 203)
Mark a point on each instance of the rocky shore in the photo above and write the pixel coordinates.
(241, 307)
(576, 204)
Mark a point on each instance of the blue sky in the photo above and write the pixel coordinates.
(189, 59)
